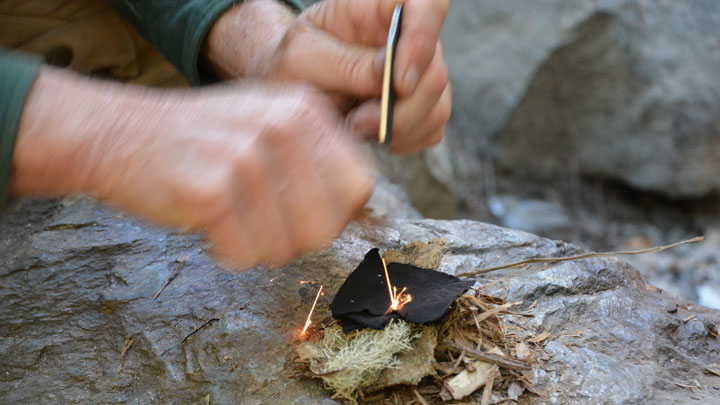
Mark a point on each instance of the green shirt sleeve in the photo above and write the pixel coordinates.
(17, 74)
(178, 27)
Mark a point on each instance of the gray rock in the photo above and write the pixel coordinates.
(78, 279)
(708, 296)
(535, 216)
(427, 178)
(689, 272)
(620, 89)
(389, 200)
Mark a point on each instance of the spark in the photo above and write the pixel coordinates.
(308, 321)
(276, 277)
(397, 299)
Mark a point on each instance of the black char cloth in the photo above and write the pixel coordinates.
(363, 299)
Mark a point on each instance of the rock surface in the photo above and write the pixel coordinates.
(618, 89)
(77, 279)
(689, 272)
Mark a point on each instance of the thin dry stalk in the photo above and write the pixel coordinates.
(581, 256)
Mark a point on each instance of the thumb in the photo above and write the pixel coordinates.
(334, 65)
(364, 120)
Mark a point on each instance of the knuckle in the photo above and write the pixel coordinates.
(356, 70)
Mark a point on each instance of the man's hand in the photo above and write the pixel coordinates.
(336, 45)
(265, 173)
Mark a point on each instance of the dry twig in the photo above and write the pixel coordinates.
(180, 261)
(201, 327)
(420, 398)
(487, 391)
(497, 359)
(495, 311)
(581, 256)
(128, 342)
(714, 371)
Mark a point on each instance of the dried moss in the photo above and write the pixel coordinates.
(354, 361)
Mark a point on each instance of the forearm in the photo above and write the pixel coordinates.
(68, 127)
(261, 26)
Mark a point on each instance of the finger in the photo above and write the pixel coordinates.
(428, 132)
(303, 199)
(217, 216)
(410, 111)
(259, 208)
(318, 58)
(231, 244)
(307, 204)
(350, 191)
(421, 24)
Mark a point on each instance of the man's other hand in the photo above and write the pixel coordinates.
(264, 172)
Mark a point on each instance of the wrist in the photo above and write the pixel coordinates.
(243, 40)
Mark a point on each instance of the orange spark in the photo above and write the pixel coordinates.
(308, 322)
(397, 300)
(276, 277)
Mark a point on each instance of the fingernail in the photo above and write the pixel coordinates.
(411, 79)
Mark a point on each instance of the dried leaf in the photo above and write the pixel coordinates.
(522, 351)
(515, 390)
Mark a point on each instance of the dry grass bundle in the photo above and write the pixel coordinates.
(469, 357)
(475, 358)
(347, 363)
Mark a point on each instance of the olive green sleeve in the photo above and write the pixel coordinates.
(17, 73)
(178, 27)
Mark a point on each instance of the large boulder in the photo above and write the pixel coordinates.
(78, 281)
(620, 89)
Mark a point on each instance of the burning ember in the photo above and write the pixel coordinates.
(397, 300)
(308, 321)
